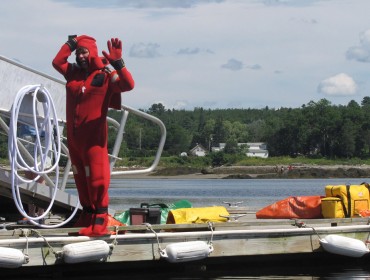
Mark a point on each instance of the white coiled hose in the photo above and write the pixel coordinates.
(52, 145)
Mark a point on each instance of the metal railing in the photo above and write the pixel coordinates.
(113, 157)
(120, 133)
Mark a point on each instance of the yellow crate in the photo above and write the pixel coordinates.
(332, 207)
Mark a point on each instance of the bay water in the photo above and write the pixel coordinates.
(252, 193)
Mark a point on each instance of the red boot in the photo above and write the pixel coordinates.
(99, 224)
(85, 218)
(86, 231)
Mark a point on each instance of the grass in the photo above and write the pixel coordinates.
(176, 165)
(301, 160)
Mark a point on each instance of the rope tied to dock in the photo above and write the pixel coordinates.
(301, 224)
(210, 226)
(38, 234)
(114, 242)
(26, 254)
(149, 227)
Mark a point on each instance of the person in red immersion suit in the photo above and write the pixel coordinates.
(91, 88)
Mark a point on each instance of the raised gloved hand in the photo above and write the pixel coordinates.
(74, 39)
(115, 53)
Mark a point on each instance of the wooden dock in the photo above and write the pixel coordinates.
(247, 239)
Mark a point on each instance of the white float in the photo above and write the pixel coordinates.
(345, 246)
(186, 251)
(96, 250)
(12, 258)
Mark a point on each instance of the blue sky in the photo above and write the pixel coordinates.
(209, 53)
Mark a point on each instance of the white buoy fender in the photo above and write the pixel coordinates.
(11, 258)
(345, 246)
(96, 250)
(186, 251)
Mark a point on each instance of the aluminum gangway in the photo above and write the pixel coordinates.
(14, 76)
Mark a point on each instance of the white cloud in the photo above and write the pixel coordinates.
(142, 50)
(338, 85)
(233, 65)
(254, 67)
(189, 51)
(180, 104)
(362, 52)
(193, 51)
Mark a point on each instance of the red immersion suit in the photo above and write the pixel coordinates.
(89, 95)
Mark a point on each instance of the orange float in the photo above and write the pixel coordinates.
(293, 207)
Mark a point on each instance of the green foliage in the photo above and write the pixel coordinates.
(231, 146)
(218, 159)
(284, 160)
(175, 161)
(316, 130)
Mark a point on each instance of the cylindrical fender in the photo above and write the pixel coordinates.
(96, 250)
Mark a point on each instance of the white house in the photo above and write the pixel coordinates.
(257, 149)
(220, 147)
(198, 151)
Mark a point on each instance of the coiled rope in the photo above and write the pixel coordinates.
(48, 125)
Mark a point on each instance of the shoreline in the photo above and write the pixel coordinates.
(182, 176)
(256, 172)
(251, 172)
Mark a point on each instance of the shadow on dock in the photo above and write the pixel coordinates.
(294, 266)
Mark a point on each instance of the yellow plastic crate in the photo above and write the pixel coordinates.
(332, 207)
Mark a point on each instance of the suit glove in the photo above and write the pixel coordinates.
(115, 53)
(73, 41)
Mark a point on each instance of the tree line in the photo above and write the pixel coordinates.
(318, 129)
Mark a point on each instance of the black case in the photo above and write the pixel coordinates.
(145, 214)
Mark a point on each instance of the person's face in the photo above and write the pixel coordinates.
(82, 58)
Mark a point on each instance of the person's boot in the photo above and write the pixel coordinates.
(85, 218)
(99, 224)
